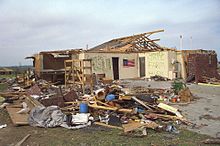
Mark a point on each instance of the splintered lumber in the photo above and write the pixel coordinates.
(135, 125)
(11, 94)
(23, 140)
(102, 107)
(125, 97)
(170, 109)
(142, 34)
(171, 118)
(109, 126)
(131, 126)
(140, 102)
(123, 110)
(33, 101)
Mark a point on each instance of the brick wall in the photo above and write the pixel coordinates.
(203, 65)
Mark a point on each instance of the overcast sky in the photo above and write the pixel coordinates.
(30, 26)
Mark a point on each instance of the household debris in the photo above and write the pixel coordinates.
(3, 126)
(111, 105)
(158, 78)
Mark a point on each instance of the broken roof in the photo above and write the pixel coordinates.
(57, 53)
(68, 51)
(197, 51)
(135, 43)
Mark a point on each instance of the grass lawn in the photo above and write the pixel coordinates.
(3, 87)
(7, 76)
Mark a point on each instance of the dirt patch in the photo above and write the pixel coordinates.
(209, 117)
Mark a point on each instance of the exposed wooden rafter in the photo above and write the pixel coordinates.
(138, 43)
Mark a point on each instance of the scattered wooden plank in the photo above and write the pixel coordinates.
(109, 126)
(21, 119)
(33, 101)
(135, 125)
(102, 107)
(11, 94)
(131, 126)
(170, 109)
(123, 110)
(140, 102)
(23, 140)
(17, 119)
(171, 118)
(125, 97)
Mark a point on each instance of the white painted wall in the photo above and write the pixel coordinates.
(159, 63)
(102, 63)
(156, 63)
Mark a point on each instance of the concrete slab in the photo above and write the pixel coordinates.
(205, 110)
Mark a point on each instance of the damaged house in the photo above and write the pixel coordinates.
(135, 56)
(132, 57)
(139, 56)
(199, 65)
(49, 65)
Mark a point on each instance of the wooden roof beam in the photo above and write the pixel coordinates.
(139, 35)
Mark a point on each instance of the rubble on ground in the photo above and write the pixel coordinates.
(45, 104)
(158, 78)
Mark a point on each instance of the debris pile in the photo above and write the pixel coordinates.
(44, 104)
(158, 78)
(178, 93)
(214, 80)
(7, 81)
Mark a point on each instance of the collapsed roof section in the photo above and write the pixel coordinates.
(63, 52)
(57, 53)
(136, 44)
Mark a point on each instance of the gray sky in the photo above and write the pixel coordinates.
(30, 26)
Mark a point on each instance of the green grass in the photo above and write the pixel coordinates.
(113, 137)
(7, 76)
(3, 87)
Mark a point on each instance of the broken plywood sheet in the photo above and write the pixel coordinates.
(170, 109)
(17, 119)
(21, 119)
(135, 125)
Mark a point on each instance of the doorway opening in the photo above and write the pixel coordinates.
(115, 66)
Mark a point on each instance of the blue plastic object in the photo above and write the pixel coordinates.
(83, 108)
(110, 97)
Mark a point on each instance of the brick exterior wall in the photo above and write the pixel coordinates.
(203, 65)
